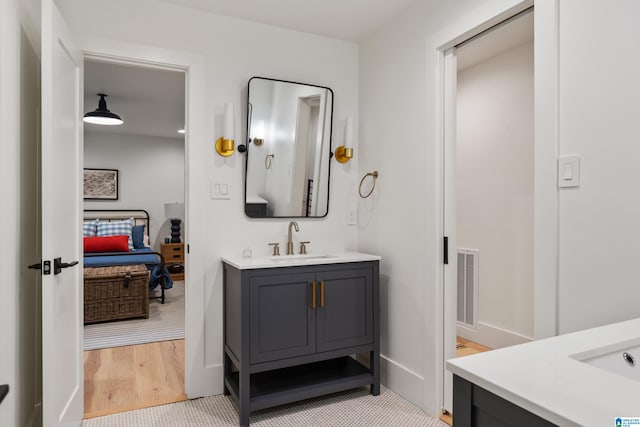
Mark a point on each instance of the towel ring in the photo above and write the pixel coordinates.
(267, 160)
(373, 174)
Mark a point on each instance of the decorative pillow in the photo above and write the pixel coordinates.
(137, 235)
(106, 244)
(89, 228)
(116, 228)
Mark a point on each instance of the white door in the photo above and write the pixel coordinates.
(450, 269)
(62, 376)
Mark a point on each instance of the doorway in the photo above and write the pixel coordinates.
(545, 269)
(139, 362)
(494, 185)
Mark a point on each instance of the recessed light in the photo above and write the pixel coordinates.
(180, 130)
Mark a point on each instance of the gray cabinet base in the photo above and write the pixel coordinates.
(289, 333)
(477, 407)
(280, 386)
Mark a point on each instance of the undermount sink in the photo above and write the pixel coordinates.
(300, 257)
(622, 358)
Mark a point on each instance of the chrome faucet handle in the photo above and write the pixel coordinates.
(276, 248)
(303, 248)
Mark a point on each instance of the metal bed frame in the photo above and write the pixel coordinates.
(140, 216)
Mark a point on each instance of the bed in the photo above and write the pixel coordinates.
(137, 251)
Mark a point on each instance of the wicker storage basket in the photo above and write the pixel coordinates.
(114, 293)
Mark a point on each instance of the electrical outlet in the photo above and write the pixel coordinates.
(353, 217)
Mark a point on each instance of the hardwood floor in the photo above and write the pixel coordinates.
(464, 347)
(132, 377)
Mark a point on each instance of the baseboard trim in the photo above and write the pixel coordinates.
(403, 381)
(491, 336)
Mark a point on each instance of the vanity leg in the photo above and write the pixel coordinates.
(226, 363)
(374, 362)
(244, 401)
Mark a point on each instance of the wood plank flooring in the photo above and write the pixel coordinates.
(464, 347)
(132, 377)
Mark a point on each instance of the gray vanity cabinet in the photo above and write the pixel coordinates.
(282, 323)
(345, 311)
(290, 332)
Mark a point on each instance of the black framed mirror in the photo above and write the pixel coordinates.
(289, 128)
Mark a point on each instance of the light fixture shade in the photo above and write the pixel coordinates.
(101, 115)
(228, 129)
(225, 145)
(174, 210)
(348, 133)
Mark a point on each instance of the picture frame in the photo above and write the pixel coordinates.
(100, 184)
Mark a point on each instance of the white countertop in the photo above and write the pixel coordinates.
(244, 263)
(542, 377)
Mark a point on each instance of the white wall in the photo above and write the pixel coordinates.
(150, 174)
(397, 81)
(20, 357)
(600, 220)
(494, 183)
(599, 226)
(233, 51)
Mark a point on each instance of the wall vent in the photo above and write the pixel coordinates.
(467, 287)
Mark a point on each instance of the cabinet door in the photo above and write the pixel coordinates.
(345, 318)
(282, 322)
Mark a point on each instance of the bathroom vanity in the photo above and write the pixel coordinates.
(578, 379)
(293, 326)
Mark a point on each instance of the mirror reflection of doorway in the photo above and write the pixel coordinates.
(307, 140)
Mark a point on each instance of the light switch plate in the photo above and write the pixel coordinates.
(220, 190)
(569, 171)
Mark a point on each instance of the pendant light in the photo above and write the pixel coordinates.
(101, 115)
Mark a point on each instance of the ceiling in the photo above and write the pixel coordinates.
(351, 20)
(150, 101)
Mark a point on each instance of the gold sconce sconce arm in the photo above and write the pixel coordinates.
(225, 147)
(343, 155)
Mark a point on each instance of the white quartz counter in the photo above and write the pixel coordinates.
(543, 377)
(244, 263)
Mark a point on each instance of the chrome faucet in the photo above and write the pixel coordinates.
(289, 241)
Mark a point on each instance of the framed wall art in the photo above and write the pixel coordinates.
(101, 184)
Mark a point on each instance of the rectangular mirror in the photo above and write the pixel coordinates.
(288, 150)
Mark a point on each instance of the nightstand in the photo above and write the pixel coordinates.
(173, 254)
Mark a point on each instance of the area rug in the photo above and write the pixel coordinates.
(165, 322)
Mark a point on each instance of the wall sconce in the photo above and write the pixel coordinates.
(344, 153)
(225, 144)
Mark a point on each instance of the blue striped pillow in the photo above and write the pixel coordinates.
(116, 228)
(89, 228)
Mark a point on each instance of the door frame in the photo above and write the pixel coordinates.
(546, 142)
(200, 379)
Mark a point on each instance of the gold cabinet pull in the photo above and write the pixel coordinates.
(322, 293)
(313, 294)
